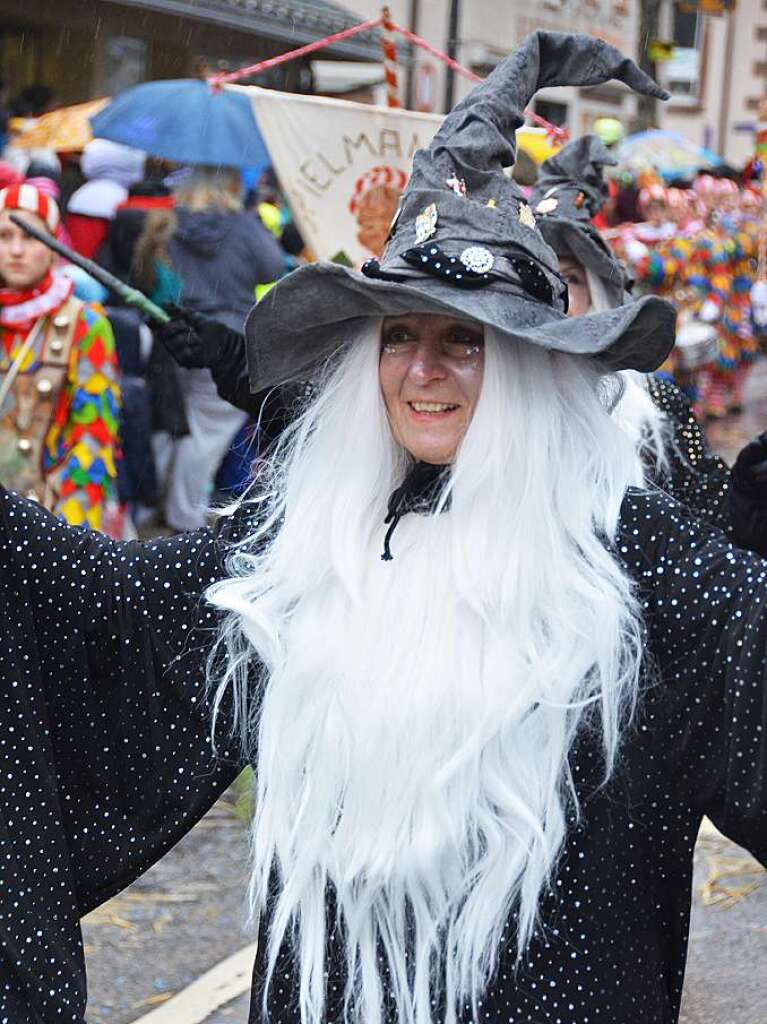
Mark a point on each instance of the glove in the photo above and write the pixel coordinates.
(749, 473)
(181, 339)
(636, 250)
(194, 340)
(709, 312)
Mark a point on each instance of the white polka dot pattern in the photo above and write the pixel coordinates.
(613, 943)
(105, 756)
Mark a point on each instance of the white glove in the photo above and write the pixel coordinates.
(635, 250)
(759, 303)
(709, 312)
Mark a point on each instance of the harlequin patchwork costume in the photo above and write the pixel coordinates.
(59, 389)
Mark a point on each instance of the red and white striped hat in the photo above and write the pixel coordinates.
(29, 198)
(391, 176)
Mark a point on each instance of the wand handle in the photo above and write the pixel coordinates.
(132, 296)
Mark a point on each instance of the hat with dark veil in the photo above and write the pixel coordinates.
(465, 242)
(571, 189)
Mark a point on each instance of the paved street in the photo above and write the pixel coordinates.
(185, 915)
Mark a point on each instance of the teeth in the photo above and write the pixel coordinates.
(432, 406)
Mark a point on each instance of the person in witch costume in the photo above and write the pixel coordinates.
(482, 758)
(570, 191)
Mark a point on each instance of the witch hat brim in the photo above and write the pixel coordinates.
(465, 241)
(317, 308)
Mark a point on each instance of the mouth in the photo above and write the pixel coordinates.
(432, 410)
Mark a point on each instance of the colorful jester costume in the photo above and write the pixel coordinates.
(739, 348)
(60, 399)
(692, 270)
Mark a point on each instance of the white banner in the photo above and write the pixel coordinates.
(342, 166)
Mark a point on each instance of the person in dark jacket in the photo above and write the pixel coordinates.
(221, 253)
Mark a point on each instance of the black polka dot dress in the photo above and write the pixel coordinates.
(105, 756)
(613, 943)
(696, 476)
(105, 762)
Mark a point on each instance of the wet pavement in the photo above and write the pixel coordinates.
(177, 921)
(729, 435)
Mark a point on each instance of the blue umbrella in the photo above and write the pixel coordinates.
(669, 153)
(186, 121)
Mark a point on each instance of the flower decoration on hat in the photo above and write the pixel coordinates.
(478, 259)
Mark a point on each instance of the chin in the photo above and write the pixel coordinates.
(437, 455)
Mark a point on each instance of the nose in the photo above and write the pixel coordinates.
(17, 245)
(426, 365)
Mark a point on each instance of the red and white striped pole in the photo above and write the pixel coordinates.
(389, 59)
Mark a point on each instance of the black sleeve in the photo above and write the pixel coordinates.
(695, 476)
(230, 373)
(108, 642)
(749, 496)
(706, 616)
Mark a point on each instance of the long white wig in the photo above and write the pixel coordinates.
(635, 411)
(411, 720)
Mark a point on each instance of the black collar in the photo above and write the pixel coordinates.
(419, 492)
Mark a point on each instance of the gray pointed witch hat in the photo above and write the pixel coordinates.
(465, 242)
(571, 189)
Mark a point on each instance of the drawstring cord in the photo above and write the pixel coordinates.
(421, 483)
(393, 515)
(387, 556)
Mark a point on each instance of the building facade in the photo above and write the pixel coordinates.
(84, 49)
(718, 76)
(487, 30)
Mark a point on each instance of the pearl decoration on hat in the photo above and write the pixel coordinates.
(478, 259)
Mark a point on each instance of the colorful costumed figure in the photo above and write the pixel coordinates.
(59, 385)
(690, 268)
(739, 228)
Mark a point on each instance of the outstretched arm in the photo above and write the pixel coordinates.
(106, 645)
(705, 613)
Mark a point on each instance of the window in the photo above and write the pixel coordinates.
(682, 72)
(555, 113)
(126, 63)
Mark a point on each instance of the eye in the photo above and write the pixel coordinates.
(395, 337)
(462, 343)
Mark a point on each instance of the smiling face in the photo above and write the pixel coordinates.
(577, 286)
(430, 372)
(23, 260)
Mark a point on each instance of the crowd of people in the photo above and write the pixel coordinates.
(172, 435)
(120, 435)
(489, 624)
